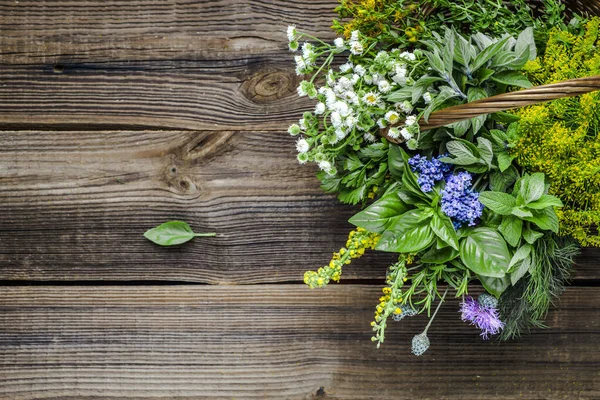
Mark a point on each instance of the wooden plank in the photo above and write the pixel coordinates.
(62, 31)
(74, 206)
(75, 203)
(250, 93)
(275, 342)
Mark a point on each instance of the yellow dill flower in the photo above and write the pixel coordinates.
(358, 241)
(560, 138)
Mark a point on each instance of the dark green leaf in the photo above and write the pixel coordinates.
(545, 219)
(443, 228)
(485, 252)
(439, 256)
(521, 269)
(498, 202)
(378, 215)
(511, 228)
(172, 233)
(500, 181)
(409, 220)
(485, 150)
(495, 286)
(531, 235)
(352, 196)
(396, 161)
(504, 160)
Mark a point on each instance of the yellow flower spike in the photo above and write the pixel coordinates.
(397, 311)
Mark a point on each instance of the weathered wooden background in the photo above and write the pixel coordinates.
(116, 116)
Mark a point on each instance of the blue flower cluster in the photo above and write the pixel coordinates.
(459, 201)
(430, 171)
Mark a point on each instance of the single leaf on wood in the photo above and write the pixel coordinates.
(172, 233)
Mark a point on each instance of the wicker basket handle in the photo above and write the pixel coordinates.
(507, 101)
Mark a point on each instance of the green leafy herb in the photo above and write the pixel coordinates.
(172, 233)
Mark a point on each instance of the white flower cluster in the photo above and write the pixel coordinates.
(352, 105)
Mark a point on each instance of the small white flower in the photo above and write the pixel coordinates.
(293, 46)
(384, 86)
(336, 119)
(352, 97)
(346, 67)
(356, 48)
(351, 121)
(339, 43)
(400, 80)
(340, 133)
(342, 108)
(427, 97)
(301, 91)
(394, 133)
(360, 70)
(400, 70)
(381, 123)
(369, 137)
(410, 120)
(406, 134)
(392, 117)
(354, 36)
(377, 78)
(291, 32)
(325, 166)
(408, 56)
(302, 124)
(405, 106)
(368, 79)
(371, 98)
(330, 78)
(344, 84)
(300, 65)
(302, 146)
(319, 108)
(355, 78)
(308, 52)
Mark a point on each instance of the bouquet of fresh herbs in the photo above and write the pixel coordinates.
(502, 199)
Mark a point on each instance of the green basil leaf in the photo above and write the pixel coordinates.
(408, 220)
(411, 241)
(498, 202)
(522, 253)
(545, 201)
(443, 228)
(495, 286)
(378, 215)
(172, 233)
(512, 78)
(485, 252)
(439, 256)
(511, 228)
(545, 219)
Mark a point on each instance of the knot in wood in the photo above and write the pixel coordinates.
(268, 86)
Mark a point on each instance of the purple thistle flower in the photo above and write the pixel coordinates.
(481, 314)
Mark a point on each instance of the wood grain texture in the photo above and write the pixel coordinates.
(275, 342)
(74, 205)
(68, 31)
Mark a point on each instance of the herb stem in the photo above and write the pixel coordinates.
(206, 234)
(436, 310)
